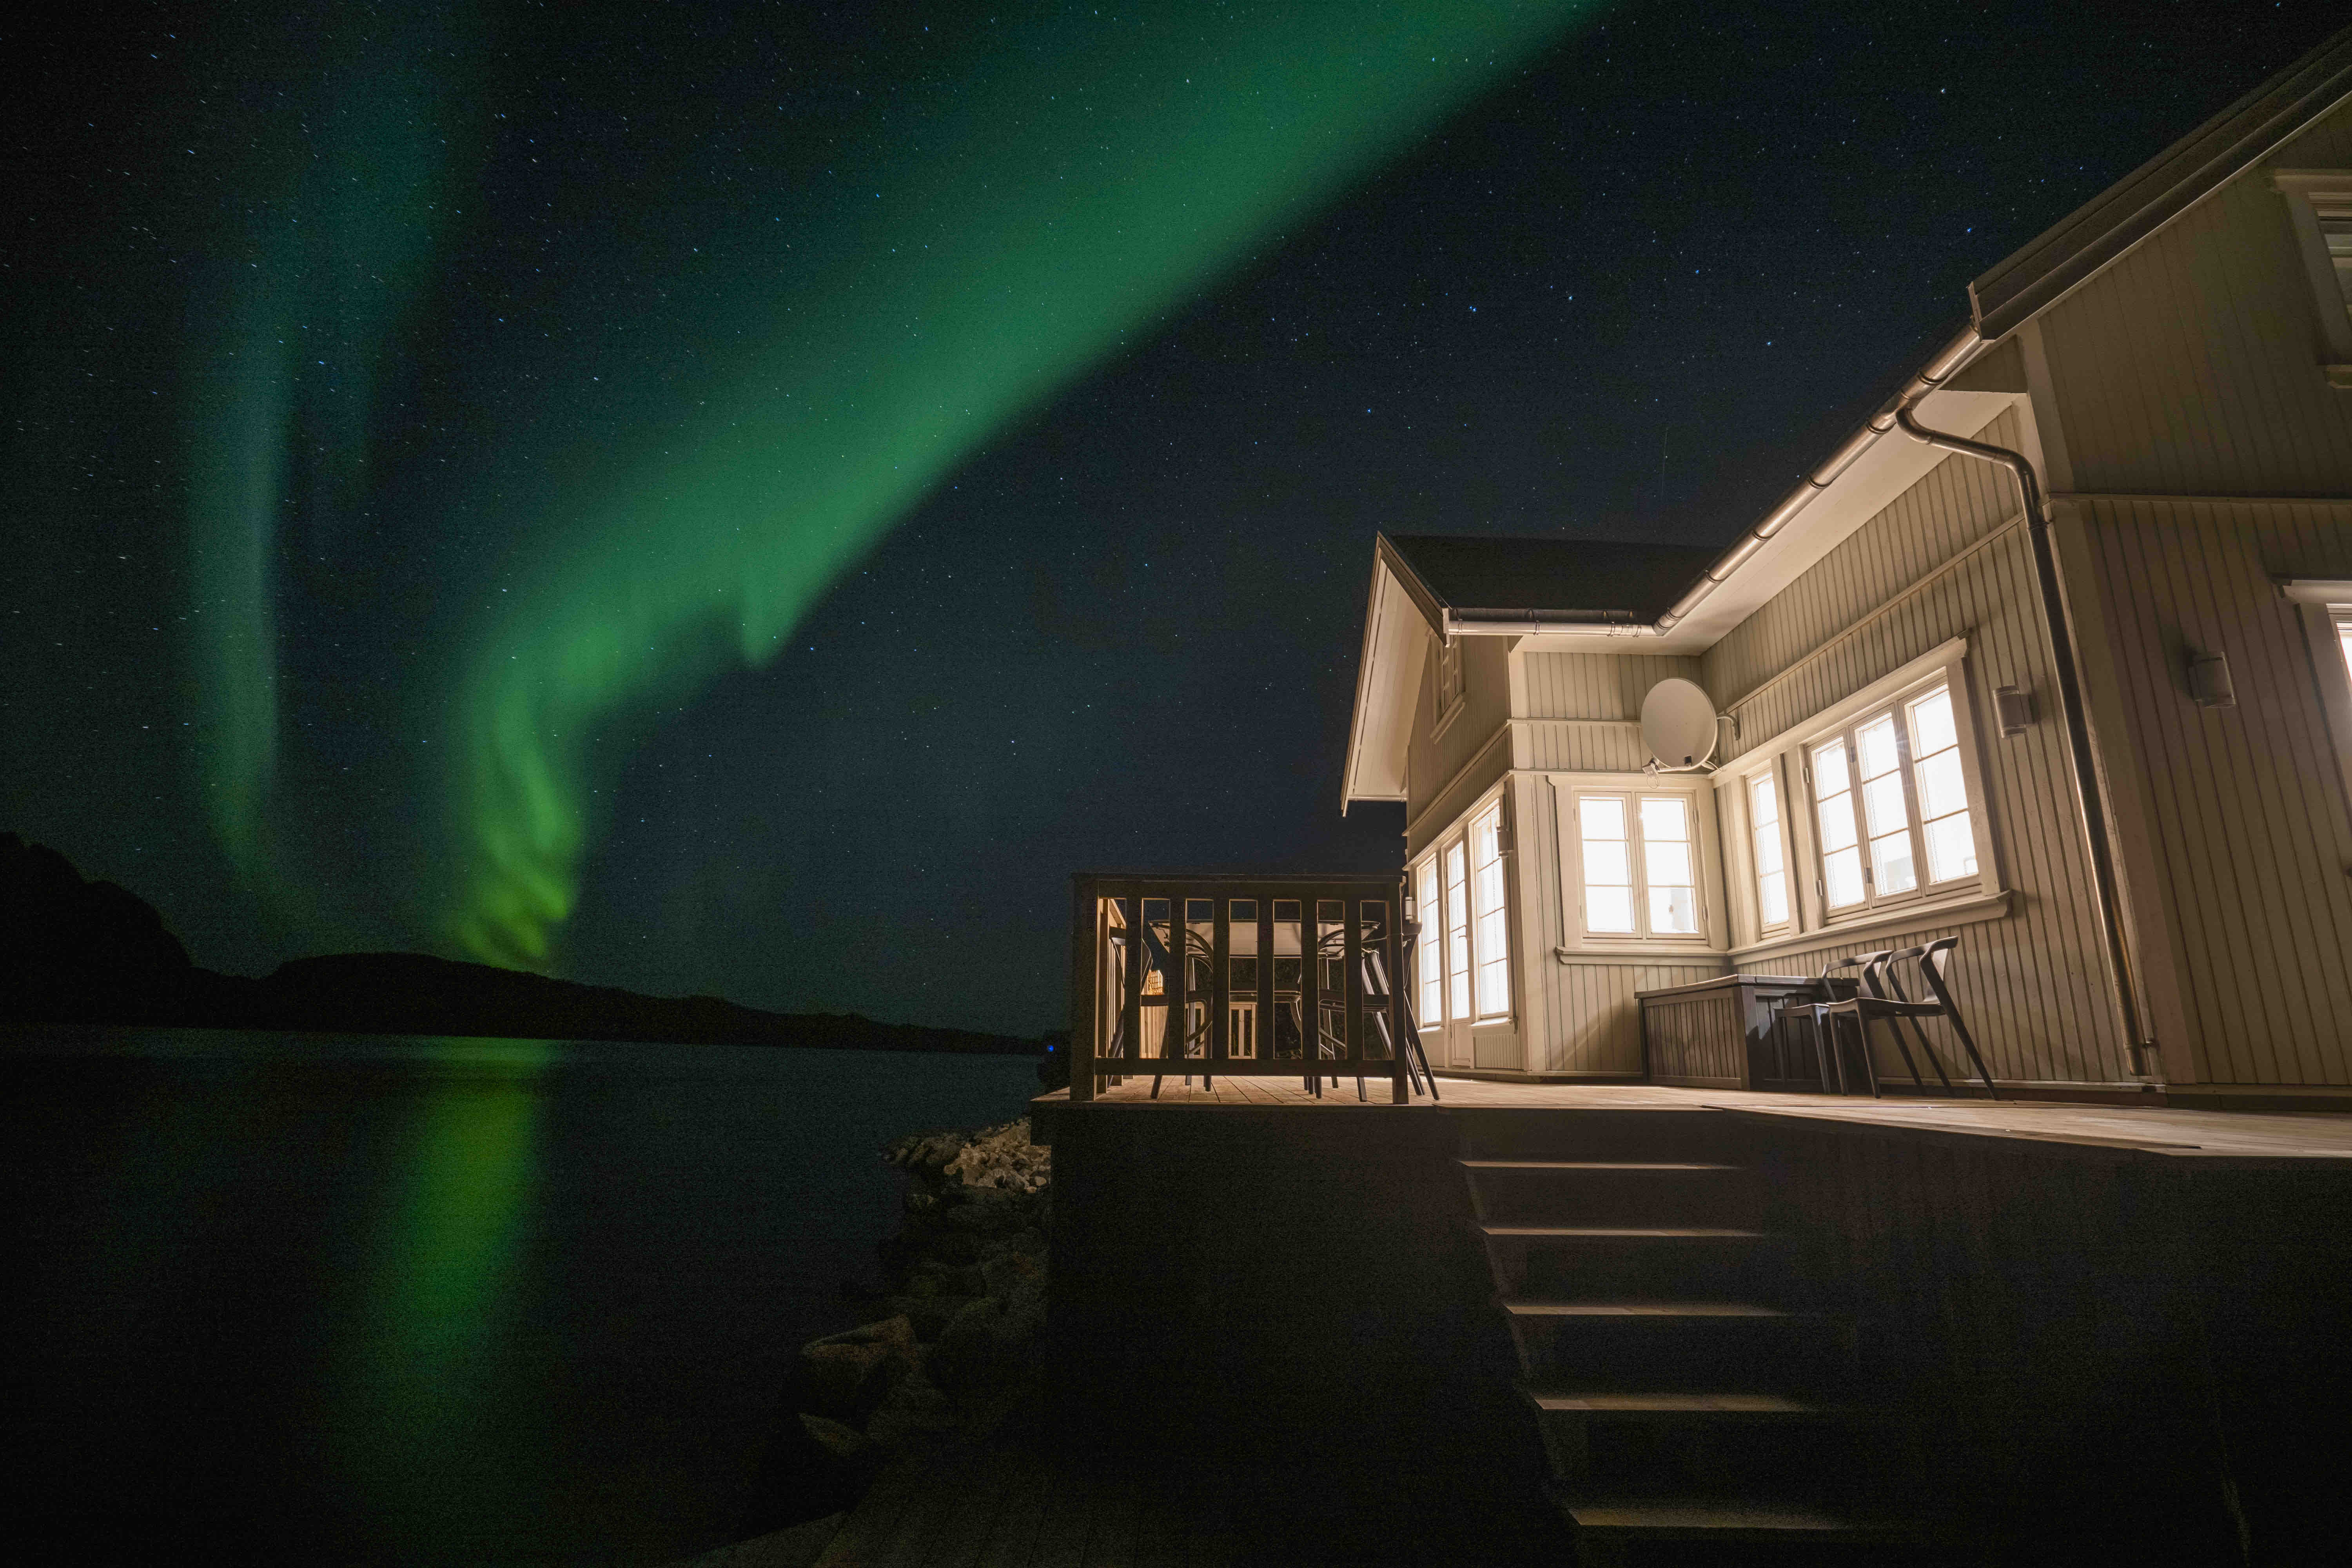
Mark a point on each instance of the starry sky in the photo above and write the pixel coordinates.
(746, 499)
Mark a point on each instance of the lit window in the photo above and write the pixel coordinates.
(1833, 805)
(1639, 865)
(1942, 788)
(1494, 934)
(1772, 868)
(1430, 955)
(1457, 930)
(1890, 795)
(1607, 865)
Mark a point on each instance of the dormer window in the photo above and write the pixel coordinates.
(2319, 206)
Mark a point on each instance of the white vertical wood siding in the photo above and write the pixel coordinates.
(2253, 836)
(1924, 571)
(1582, 711)
(2191, 366)
(1581, 1016)
(1434, 763)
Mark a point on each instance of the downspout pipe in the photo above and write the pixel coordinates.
(2089, 799)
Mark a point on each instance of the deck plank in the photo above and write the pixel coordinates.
(2169, 1132)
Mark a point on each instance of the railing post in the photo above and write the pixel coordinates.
(1400, 1066)
(1267, 1030)
(1138, 961)
(1085, 985)
(1177, 985)
(1221, 946)
(1352, 960)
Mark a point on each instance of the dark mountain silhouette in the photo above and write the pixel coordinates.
(92, 953)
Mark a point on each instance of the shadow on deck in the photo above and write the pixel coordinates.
(2083, 1333)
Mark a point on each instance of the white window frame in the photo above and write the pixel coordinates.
(2326, 607)
(1983, 897)
(2315, 198)
(1769, 772)
(1488, 828)
(1896, 714)
(1445, 1046)
(1452, 684)
(1697, 796)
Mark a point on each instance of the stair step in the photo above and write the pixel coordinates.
(1678, 1405)
(1577, 1309)
(1723, 1518)
(1614, 1233)
(1595, 1165)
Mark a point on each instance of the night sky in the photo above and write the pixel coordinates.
(746, 500)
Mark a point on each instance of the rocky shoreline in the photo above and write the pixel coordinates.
(952, 1349)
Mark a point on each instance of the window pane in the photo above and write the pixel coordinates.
(1457, 931)
(1841, 875)
(1890, 864)
(1829, 769)
(1664, 819)
(1874, 746)
(1607, 866)
(1771, 884)
(1493, 930)
(1882, 805)
(1951, 849)
(1931, 723)
(1609, 908)
(1837, 822)
(1429, 952)
(1673, 909)
(1601, 816)
(1668, 865)
(1941, 788)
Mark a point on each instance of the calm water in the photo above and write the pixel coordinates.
(342, 1298)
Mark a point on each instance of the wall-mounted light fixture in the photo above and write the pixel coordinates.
(2014, 707)
(2209, 680)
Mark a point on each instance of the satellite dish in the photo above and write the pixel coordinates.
(1678, 725)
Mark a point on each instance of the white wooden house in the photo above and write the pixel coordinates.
(2105, 740)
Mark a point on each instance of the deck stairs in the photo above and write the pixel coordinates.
(1697, 1405)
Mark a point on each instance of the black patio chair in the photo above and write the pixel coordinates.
(1874, 1002)
(1829, 986)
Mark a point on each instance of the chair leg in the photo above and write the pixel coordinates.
(1970, 1046)
(1826, 1050)
(1869, 1066)
(1934, 1060)
(1155, 1088)
(1893, 1027)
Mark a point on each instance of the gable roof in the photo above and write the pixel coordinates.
(1865, 471)
(1573, 582)
(2119, 217)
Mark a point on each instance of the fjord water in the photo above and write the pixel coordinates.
(283, 1299)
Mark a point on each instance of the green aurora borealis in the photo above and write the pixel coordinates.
(1057, 201)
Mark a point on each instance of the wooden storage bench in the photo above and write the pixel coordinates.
(1718, 1034)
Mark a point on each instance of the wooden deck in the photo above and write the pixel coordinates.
(2157, 1131)
(1022, 1505)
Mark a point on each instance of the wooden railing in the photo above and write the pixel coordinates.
(1220, 976)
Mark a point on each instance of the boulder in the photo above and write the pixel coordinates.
(843, 1442)
(850, 1373)
(916, 1404)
